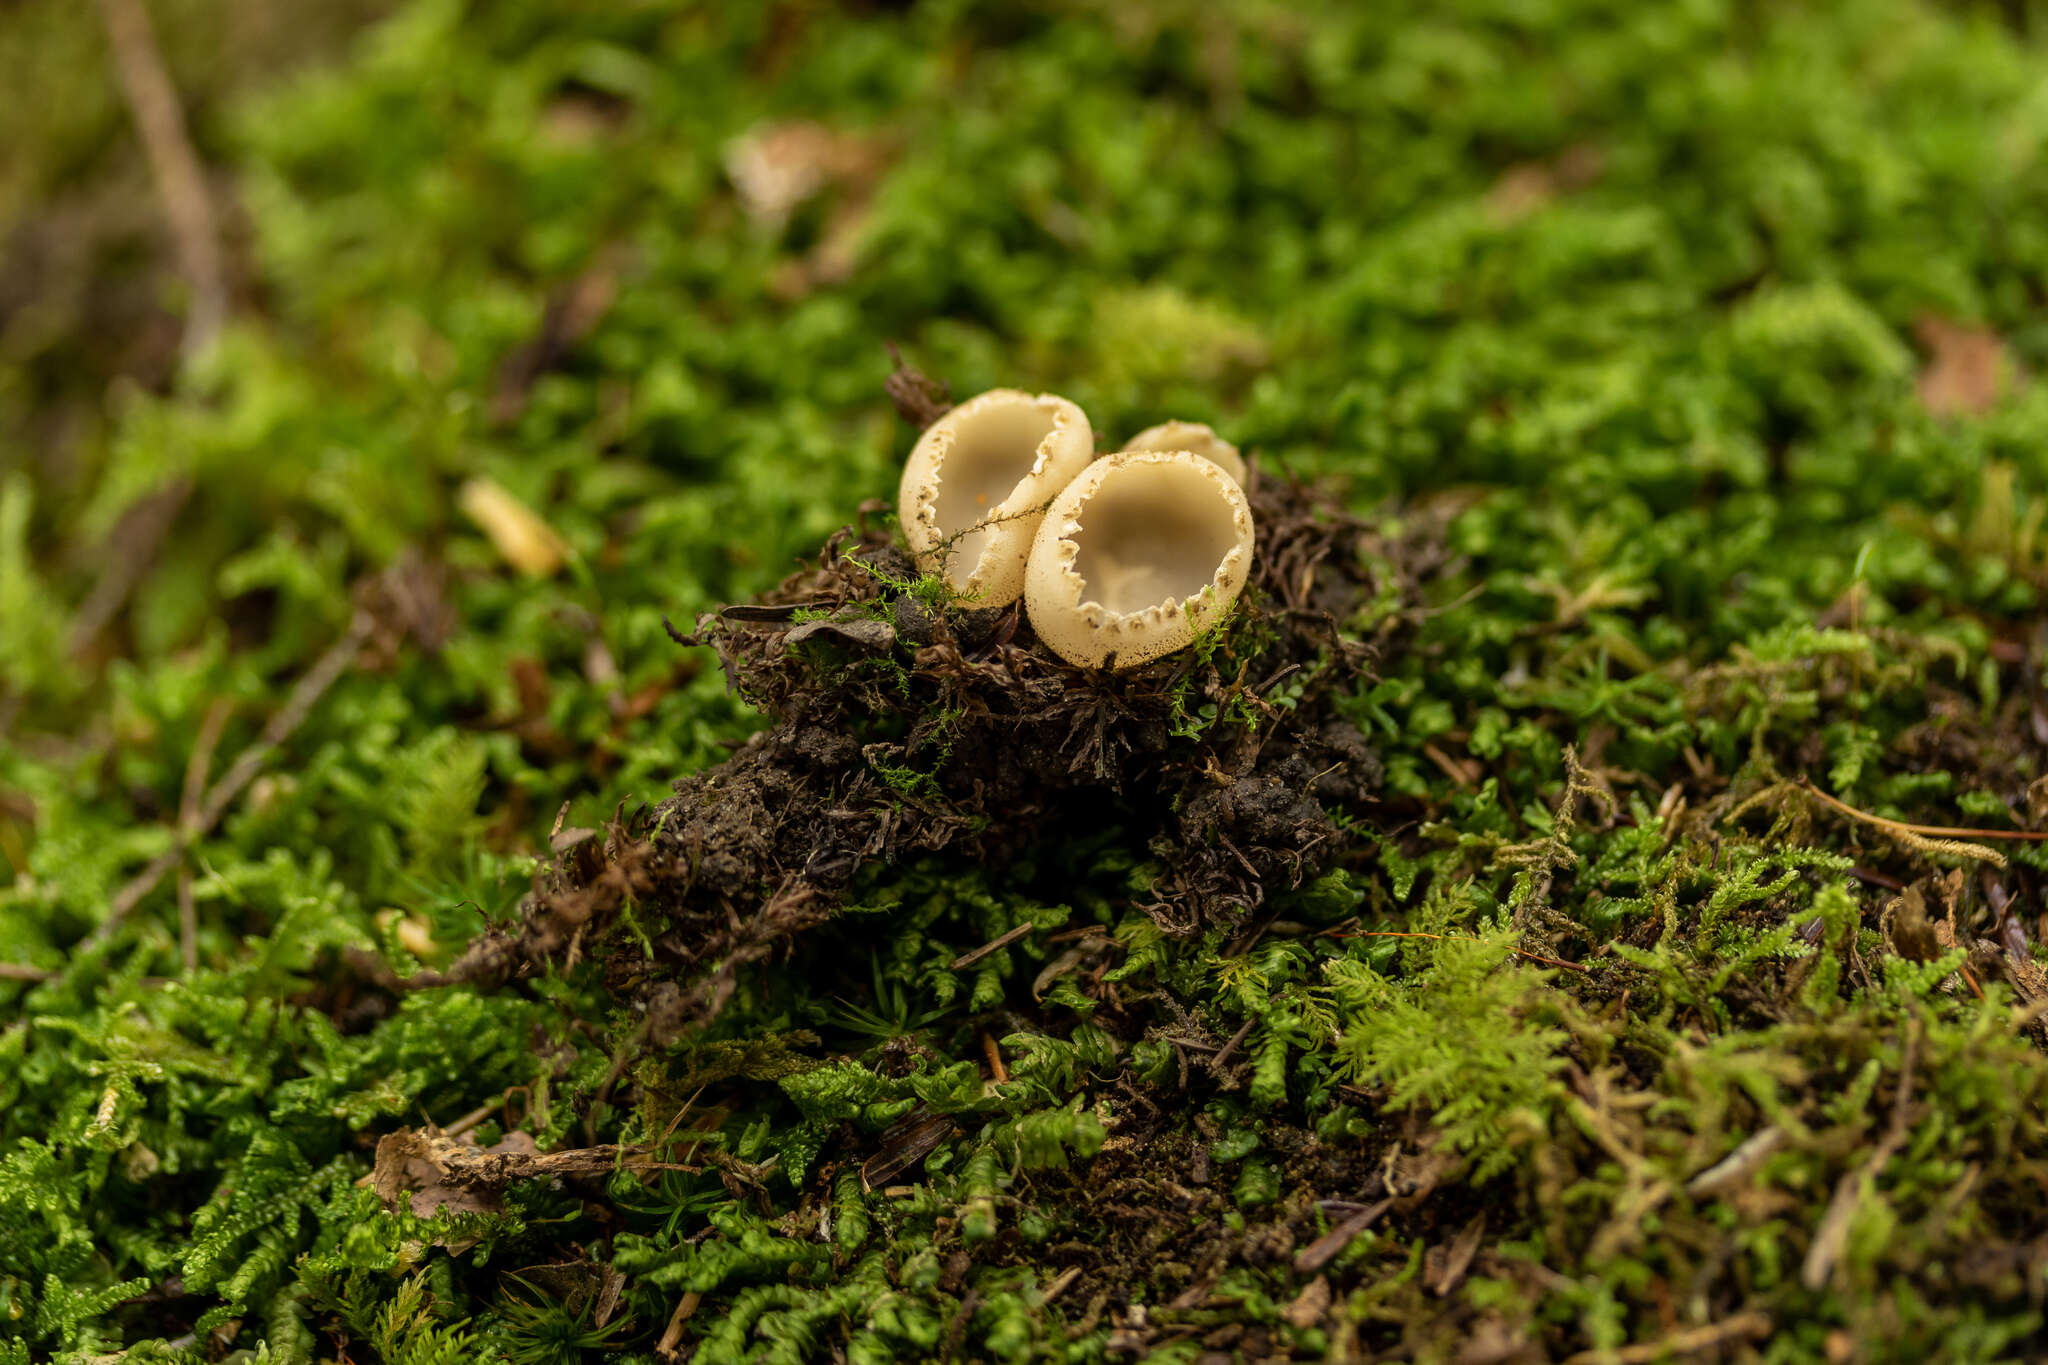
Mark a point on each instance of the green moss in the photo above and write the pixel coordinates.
(1609, 319)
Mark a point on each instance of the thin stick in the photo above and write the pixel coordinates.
(1325, 1248)
(180, 179)
(1463, 938)
(997, 1070)
(201, 763)
(305, 694)
(672, 1335)
(130, 546)
(1919, 831)
(994, 945)
(324, 673)
(1687, 1342)
(1223, 1053)
(473, 1119)
(1060, 1284)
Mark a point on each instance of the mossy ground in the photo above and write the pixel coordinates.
(1656, 978)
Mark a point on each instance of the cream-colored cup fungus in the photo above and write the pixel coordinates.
(977, 483)
(1196, 437)
(1136, 557)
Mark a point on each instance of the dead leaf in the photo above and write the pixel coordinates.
(528, 543)
(1453, 1261)
(611, 1284)
(776, 167)
(1057, 968)
(426, 1165)
(775, 614)
(904, 1144)
(1309, 1306)
(1967, 368)
(1523, 189)
(433, 1171)
(1913, 936)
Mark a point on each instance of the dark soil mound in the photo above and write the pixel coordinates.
(904, 724)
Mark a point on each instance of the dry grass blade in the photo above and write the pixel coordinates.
(994, 945)
(1752, 1325)
(1918, 831)
(1739, 1164)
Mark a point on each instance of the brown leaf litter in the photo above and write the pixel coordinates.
(1967, 371)
(430, 1170)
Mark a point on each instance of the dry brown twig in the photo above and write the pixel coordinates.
(1324, 1249)
(1751, 1324)
(197, 817)
(994, 945)
(173, 164)
(129, 549)
(304, 695)
(672, 1335)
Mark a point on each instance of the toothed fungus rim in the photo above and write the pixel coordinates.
(1198, 438)
(1139, 554)
(977, 482)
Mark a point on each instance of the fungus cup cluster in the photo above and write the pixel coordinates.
(1119, 560)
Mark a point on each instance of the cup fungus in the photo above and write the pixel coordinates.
(1136, 557)
(1196, 437)
(977, 483)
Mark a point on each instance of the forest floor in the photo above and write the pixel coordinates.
(502, 857)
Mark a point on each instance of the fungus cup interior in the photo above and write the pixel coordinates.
(989, 457)
(1152, 531)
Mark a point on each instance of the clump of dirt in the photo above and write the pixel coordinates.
(903, 724)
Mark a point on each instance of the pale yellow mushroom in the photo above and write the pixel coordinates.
(1196, 437)
(977, 484)
(1139, 555)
